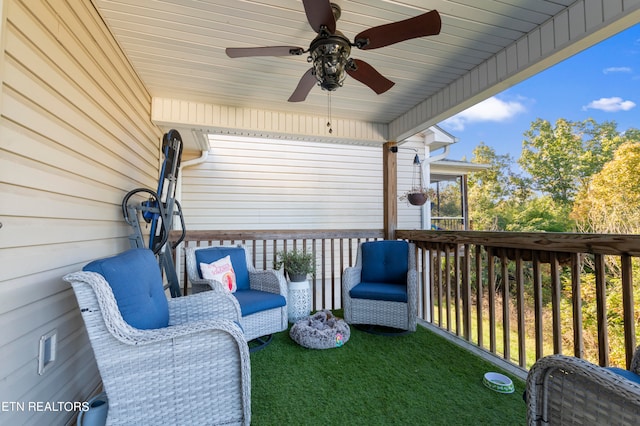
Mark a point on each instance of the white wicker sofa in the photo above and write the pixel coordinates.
(178, 361)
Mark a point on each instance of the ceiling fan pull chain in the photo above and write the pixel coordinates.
(329, 108)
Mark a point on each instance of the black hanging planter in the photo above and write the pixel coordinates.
(417, 198)
(419, 194)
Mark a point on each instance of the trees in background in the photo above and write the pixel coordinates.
(564, 167)
(610, 202)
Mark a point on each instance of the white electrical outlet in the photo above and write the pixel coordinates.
(47, 352)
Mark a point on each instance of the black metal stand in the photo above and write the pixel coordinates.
(159, 210)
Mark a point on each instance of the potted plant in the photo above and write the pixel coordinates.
(418, 196)
(297, 264)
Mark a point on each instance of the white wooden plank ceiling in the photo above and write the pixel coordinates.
(178, 49)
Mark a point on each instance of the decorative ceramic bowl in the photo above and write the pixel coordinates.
(498, 382)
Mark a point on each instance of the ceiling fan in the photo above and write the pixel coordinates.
(329, 51)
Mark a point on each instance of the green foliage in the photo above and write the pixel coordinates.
(611, 202)
(540, 214)
(490, 190)
(571, 161)
(562, 159)
(501, 200)
(296, 262)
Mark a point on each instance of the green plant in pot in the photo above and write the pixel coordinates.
(297, 264)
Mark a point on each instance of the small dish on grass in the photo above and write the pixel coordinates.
(498, 382)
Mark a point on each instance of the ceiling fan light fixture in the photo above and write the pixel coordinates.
(330, 57)
(329, 51)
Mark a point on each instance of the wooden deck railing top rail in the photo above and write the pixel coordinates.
(541, 241)
(286, 234)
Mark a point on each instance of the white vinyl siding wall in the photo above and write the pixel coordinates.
(76, 135)
(249, 183)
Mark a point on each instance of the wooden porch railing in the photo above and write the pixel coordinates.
(447, 223)
(517, 295)
(514, 284)
(334, 251)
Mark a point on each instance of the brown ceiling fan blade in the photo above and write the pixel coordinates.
(305, 85)
(423, 25)
(319, 13)
(243, 52)
(366, 74)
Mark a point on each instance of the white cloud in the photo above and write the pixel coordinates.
(610, 104)
(492, 109)
(616, 69)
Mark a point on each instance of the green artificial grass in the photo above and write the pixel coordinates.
(416, 379)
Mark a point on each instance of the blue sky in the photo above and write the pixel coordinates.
(602, 82)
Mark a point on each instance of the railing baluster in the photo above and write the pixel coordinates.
(601, 306)
(522, 346)
(466, 292)
(438, 266)
(506, 317)
(424, 306)
(456, 288)
(491, 272)
(324, 273)
(628, 309)
(576, 291)
(480, 295)
(447, 272)
(537, 301)
(315, 275)
(334, 299)
(433, 280)
(440, 286)
(555, 303)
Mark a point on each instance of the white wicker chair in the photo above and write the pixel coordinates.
(194, 371)
(565, 390)
(271, 283)
(376, 311)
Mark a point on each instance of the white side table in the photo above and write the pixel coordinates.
(298, 300)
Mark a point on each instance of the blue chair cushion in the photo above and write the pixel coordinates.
(238, 260)
(380, 291)
(630, 375)
(136, 282)
(385, 262)
(252, 301)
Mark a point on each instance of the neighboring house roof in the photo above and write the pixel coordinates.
(444, 170)
(437, 138)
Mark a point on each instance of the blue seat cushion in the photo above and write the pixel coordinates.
(380, 291)
(630, 375)
(385, 262)
(252, 301)
(136, 282)
(238, 260)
